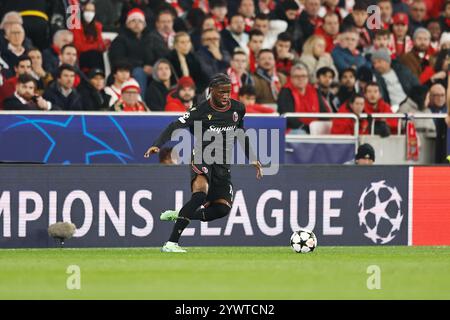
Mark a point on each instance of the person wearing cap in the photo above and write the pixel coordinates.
(395, 80)
(129, 101)
(182, 98)
(133, 44)
(93, 91)
(419, 58)
(365, 155)
(400, 41)
(163, 81)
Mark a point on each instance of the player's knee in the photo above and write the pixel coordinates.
(217, 211)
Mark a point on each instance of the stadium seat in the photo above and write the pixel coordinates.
(320, 127)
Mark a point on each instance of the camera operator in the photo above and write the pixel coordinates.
(25, 97)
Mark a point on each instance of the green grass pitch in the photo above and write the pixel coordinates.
(227, 273)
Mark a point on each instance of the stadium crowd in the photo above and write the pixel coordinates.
(319, 56)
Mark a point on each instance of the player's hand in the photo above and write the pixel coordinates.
(258, 166)
(150, 151)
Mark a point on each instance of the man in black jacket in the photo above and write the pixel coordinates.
(92, 93)
(134, 44)
(25, 97)
(62, 93)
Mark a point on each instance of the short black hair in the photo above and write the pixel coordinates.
(255, 33)
(68, 46)
(285, 36)
(64, 67)
(264, 51)
(217, 3)
(219, 79)
(247, 90)
(325, 70)
(372, 84)
(22, 58)
(354, 97)
(121, 65)
(289, 5)
(165, 153)
(262, 16)
(25, 78)
(347, 70)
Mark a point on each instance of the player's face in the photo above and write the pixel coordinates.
(221, 95)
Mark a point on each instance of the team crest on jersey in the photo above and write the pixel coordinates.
(209, 116)
(205, 169)
(235, 116)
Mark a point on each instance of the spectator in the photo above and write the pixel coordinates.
(121, 73)
(444, 19)
(15, 35)
(234, 36)
(285, 56)
(10, 18)
(347, 85)
(315, 57)
(325, 77)
(62, 93)
(365, 155)
(346, 54)
(415, 104)
(25, 97)
(418, 59)
(387, 10)
(255, 43)
(23, 66)
(268, 82)
(181, 99)
(238, 73)
(94, 97)
(38, 72)
(435, 29)
(185, 63)
(35, 19)
(196, 35)
(357, 20)
(395, 80)
(298, 95)
(69, 56)
(51, 55)
(400, 42)
(247, 9)
(438, 105)
(381, 40)
(329, 30)
(247, 95)
(133, 44)
(162, 38)
(211, 55)
(130, 98)
(288, 11)
(163, 81)
(309, 19)
(375, 104)
(354, 105)
(270, 29)
(88, 39)
(333, 7)
(418, 12)
(219, 11)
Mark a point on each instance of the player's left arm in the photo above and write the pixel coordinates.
(249, 151)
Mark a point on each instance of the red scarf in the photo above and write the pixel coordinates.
(309, 102)
(176, 6)
(139, 106)
(236, 83)
(412, 142)
(220, 25)
(252, 61)
(248, 24)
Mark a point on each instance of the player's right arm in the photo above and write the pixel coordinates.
(185, 121)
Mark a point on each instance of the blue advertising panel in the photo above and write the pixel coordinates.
(119, 206)
(90, 139)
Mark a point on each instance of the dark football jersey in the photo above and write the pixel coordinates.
(213, 122)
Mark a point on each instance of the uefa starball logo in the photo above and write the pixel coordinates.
(380, 213)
